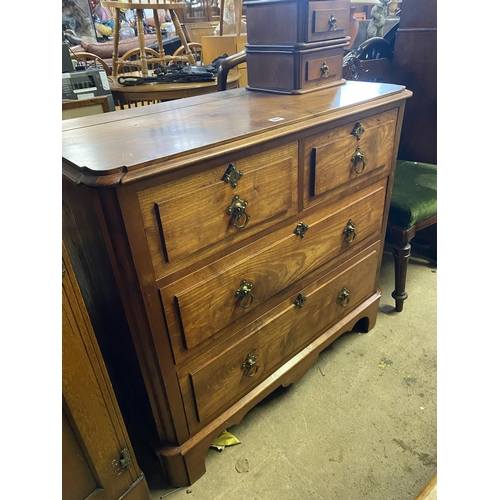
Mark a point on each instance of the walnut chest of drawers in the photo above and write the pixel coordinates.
(221, 242)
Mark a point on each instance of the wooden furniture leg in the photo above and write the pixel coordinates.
(180, 33)
(221, 22)
(142, 46)
(401, 255)
(158, 34)
(238, 9)
(116, 39)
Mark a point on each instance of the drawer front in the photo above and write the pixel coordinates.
(328, 20)
(322, 68)
(203, 303)
(218, 207)
(296, 22)
(338, 156)
(217, 382)
(272, 24)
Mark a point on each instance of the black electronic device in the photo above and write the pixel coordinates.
(77, 85)
(67, 63)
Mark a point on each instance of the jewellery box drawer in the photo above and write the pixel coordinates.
(282, 22)
(218, 207)
(217, 379)
(294, 71)
(349, 152)
(203, 303)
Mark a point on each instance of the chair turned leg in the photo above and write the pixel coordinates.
(401, 255)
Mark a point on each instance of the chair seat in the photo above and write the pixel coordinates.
(414, 194)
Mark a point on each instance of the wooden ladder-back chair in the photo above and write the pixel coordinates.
(131, 60)
(91, 61)
(413, 205)
(194, 48)
(170, 6)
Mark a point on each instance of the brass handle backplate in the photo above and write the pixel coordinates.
(299, 301)
(357, 159)
(343, 297)
(250, 365)
(232, 175)
(332, 22)
(301, 229)
(325, 70)
(357, 131)
(349, 231)
(237, 210)
(245, 295)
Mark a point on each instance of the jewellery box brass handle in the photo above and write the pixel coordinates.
(357, 159)
(332, 22)
(243, 292)
(250, 365)
(237, 210)
(349, 231)
(343, 297)
(325, 70)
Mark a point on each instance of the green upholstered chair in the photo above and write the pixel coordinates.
(413, 207)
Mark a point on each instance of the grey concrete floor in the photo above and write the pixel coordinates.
(360, 424)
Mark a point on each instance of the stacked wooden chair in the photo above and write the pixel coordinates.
(143, 58)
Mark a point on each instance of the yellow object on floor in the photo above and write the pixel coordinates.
(225, 439)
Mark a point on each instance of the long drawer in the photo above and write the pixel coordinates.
(348, 153)
(217, 379)
(197, 215)
(203, 303)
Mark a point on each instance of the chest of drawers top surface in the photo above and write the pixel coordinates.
(142, 142)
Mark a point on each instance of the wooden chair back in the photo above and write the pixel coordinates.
(90, 61)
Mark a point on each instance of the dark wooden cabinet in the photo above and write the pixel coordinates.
(97, 458)
(415, 66)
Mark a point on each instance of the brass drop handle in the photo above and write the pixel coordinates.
(245, 295)
(250, 365)
(325, 70)
(349, 231)
(332, 22)
(357, 159)
(237, 210)
(343, 297)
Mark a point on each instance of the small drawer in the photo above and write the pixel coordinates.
(328, 20)
(321, 68)
(294, 71)
(294, 23)
(348, 153)
(202, 304)
(210, 210)
(215, 381)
